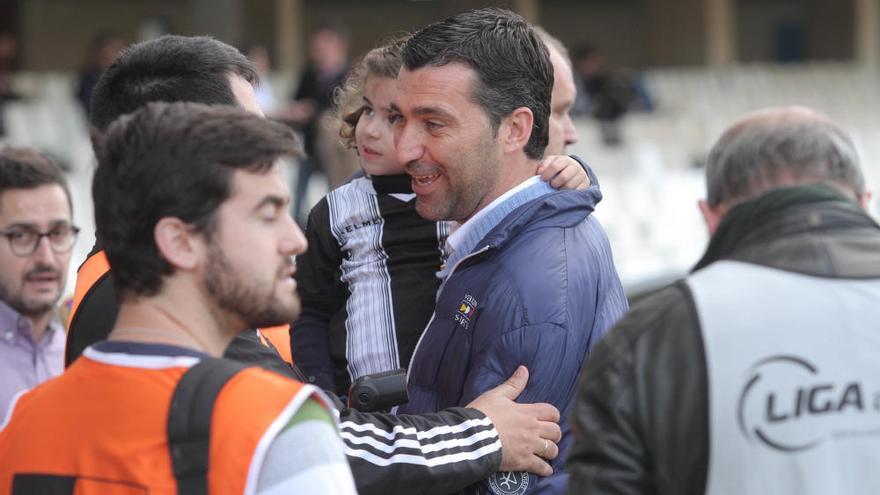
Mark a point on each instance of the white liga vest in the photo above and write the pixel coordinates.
(793, 365)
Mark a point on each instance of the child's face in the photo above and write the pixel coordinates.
(373, 134)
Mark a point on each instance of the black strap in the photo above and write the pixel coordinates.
(189, 421)
(247, 348)
(42, 484)
(94, 318)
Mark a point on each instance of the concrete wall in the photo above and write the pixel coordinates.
(828, 28)
(636, 33)
(675, 32)
(55, 33)
(617, 29)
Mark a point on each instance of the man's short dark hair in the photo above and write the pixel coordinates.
(172, 160)
(511, 62)
(781, 147)
(24, 168)
(169, 69)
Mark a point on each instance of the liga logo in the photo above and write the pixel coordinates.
(788, 405)
(509, 483)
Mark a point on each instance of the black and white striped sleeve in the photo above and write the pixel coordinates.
(435, 453)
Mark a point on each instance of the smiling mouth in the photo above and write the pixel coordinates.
(425, 180)
(286, 272)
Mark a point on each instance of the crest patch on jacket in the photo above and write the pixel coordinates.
(467, 309)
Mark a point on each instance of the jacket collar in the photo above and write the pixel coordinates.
(780, 214)
(557, 209)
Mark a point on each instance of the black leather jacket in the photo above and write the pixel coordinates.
(640, 418)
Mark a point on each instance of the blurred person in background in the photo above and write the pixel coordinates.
(102, 51)
(259, 55)
(759, 372)
(324, 73)
(8, 66)
(604, 94)
(209, 71)
(36, 224)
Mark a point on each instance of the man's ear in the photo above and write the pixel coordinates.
(516, 130)
(712, 216)
(177, 244)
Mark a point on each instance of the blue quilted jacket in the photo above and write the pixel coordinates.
(540, 289)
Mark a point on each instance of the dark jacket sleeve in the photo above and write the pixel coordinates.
(428, 454)
(640, 417)
(322, 295)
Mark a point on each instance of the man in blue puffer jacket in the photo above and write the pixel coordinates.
(530, 278)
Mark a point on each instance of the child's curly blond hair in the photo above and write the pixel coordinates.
(383, 61)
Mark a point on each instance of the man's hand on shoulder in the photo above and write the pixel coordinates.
(563, 172)
(528, 432)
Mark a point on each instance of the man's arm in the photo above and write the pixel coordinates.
(554, 359)
(608, 454)
(528, 432)
(306, 456)
(321, 299)
(640, 416)
(447, 451)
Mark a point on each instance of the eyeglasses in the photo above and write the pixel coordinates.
(24, 241)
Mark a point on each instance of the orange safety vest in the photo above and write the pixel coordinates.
(96, 266)
(279, 338)
(88, 274)
(103, 426)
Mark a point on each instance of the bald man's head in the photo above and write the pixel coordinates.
(561, 131)
(779, 147)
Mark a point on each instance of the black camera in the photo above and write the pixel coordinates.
(379, 391)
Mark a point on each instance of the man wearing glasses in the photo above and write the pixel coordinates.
(36, 237)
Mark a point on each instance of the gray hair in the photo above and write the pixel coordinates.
(553, 42)
(781, 147)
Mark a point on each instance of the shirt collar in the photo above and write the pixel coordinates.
(145, 349)
(464, 231)
(12, 322)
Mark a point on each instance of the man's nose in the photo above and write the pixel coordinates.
(407, 144)
(294, 241)
(571, 134)
(44, 250)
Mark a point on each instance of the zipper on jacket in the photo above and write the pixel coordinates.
(439, 290)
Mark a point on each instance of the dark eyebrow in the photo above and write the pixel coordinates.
(22, 225)
(394, 107)
(35, 227)
(427, 111)
(271, 199)
(367, 101)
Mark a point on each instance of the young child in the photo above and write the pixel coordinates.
(368, 281)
